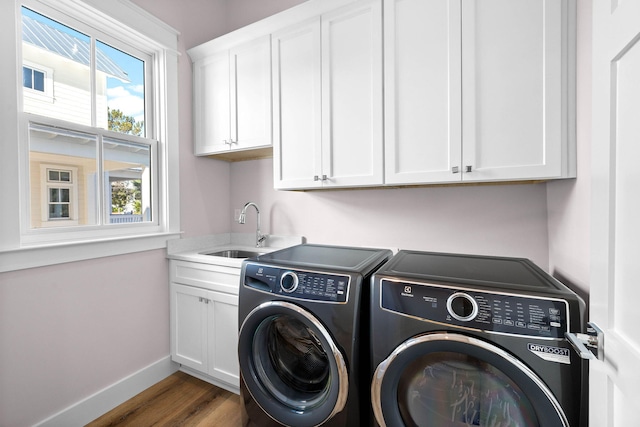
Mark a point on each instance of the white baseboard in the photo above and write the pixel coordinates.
(103, 401)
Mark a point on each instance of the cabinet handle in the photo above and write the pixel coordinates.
(316, 178)
(226, 142)
(455, 169)
(324, 178)
(468, 168)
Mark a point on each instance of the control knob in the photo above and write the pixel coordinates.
(462, 307)
(289, 281)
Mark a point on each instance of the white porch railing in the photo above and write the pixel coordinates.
(124, 218)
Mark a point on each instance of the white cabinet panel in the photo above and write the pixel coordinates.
(251, 94)
(297, 106)
(189, 327)
(223, 327)
(211, 112)
(422, 90)
(352, 130)
(512, 52)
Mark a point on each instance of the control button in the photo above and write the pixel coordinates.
(289, 281)
(462, 307)
(520, 324)
(508, 322)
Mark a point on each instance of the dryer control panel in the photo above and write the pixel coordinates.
(294, 283)
(477, 309)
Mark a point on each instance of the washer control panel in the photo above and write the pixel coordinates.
(295, 283)
(478, 309)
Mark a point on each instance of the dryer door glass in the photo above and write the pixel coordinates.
(444, 388)
(453, 380)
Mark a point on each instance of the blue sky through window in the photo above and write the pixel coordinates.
(127, 97)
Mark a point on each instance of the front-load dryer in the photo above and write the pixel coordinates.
(463, 340)
(302, 351)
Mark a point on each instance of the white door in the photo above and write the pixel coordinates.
(615, 226)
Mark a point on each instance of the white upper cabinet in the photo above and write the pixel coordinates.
(328, 100)
(478, 90)
(297, 151)
(232, 97)
(423, 113)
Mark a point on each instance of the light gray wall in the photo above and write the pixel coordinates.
(69, 331)
(569, 201)
(509, 220)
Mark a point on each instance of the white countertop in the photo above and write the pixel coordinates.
(194, 249)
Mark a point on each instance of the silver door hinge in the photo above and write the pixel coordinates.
(589, 345)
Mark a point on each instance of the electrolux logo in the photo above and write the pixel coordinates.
(408, 292)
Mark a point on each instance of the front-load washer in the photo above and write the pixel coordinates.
(463, 340)
(303, 356)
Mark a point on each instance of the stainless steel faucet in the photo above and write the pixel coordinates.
(260, 238)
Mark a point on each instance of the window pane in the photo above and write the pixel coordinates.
(54, 195)
(67, 53)
(121, 101)
(27, 77)
(54, 152)
(65, 176)
(128, 168)
(38, 80)
(64, 195)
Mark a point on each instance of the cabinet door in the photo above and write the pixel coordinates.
(352, 128)
(189, 326)
(223, 338)
(211, 104)
(512, 89)
(251, 94)
(422, 91)
(297, 106)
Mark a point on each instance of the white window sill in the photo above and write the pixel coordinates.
(40, 256)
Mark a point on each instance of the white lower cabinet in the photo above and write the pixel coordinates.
(204, 321)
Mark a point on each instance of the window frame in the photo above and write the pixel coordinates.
(117, 21)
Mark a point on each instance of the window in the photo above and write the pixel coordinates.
(58, 195)
(33, 79)
(96, 146)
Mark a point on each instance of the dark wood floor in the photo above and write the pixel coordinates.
(178, 400)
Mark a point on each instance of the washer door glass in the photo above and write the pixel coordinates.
(446, 379)
(291, 366)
